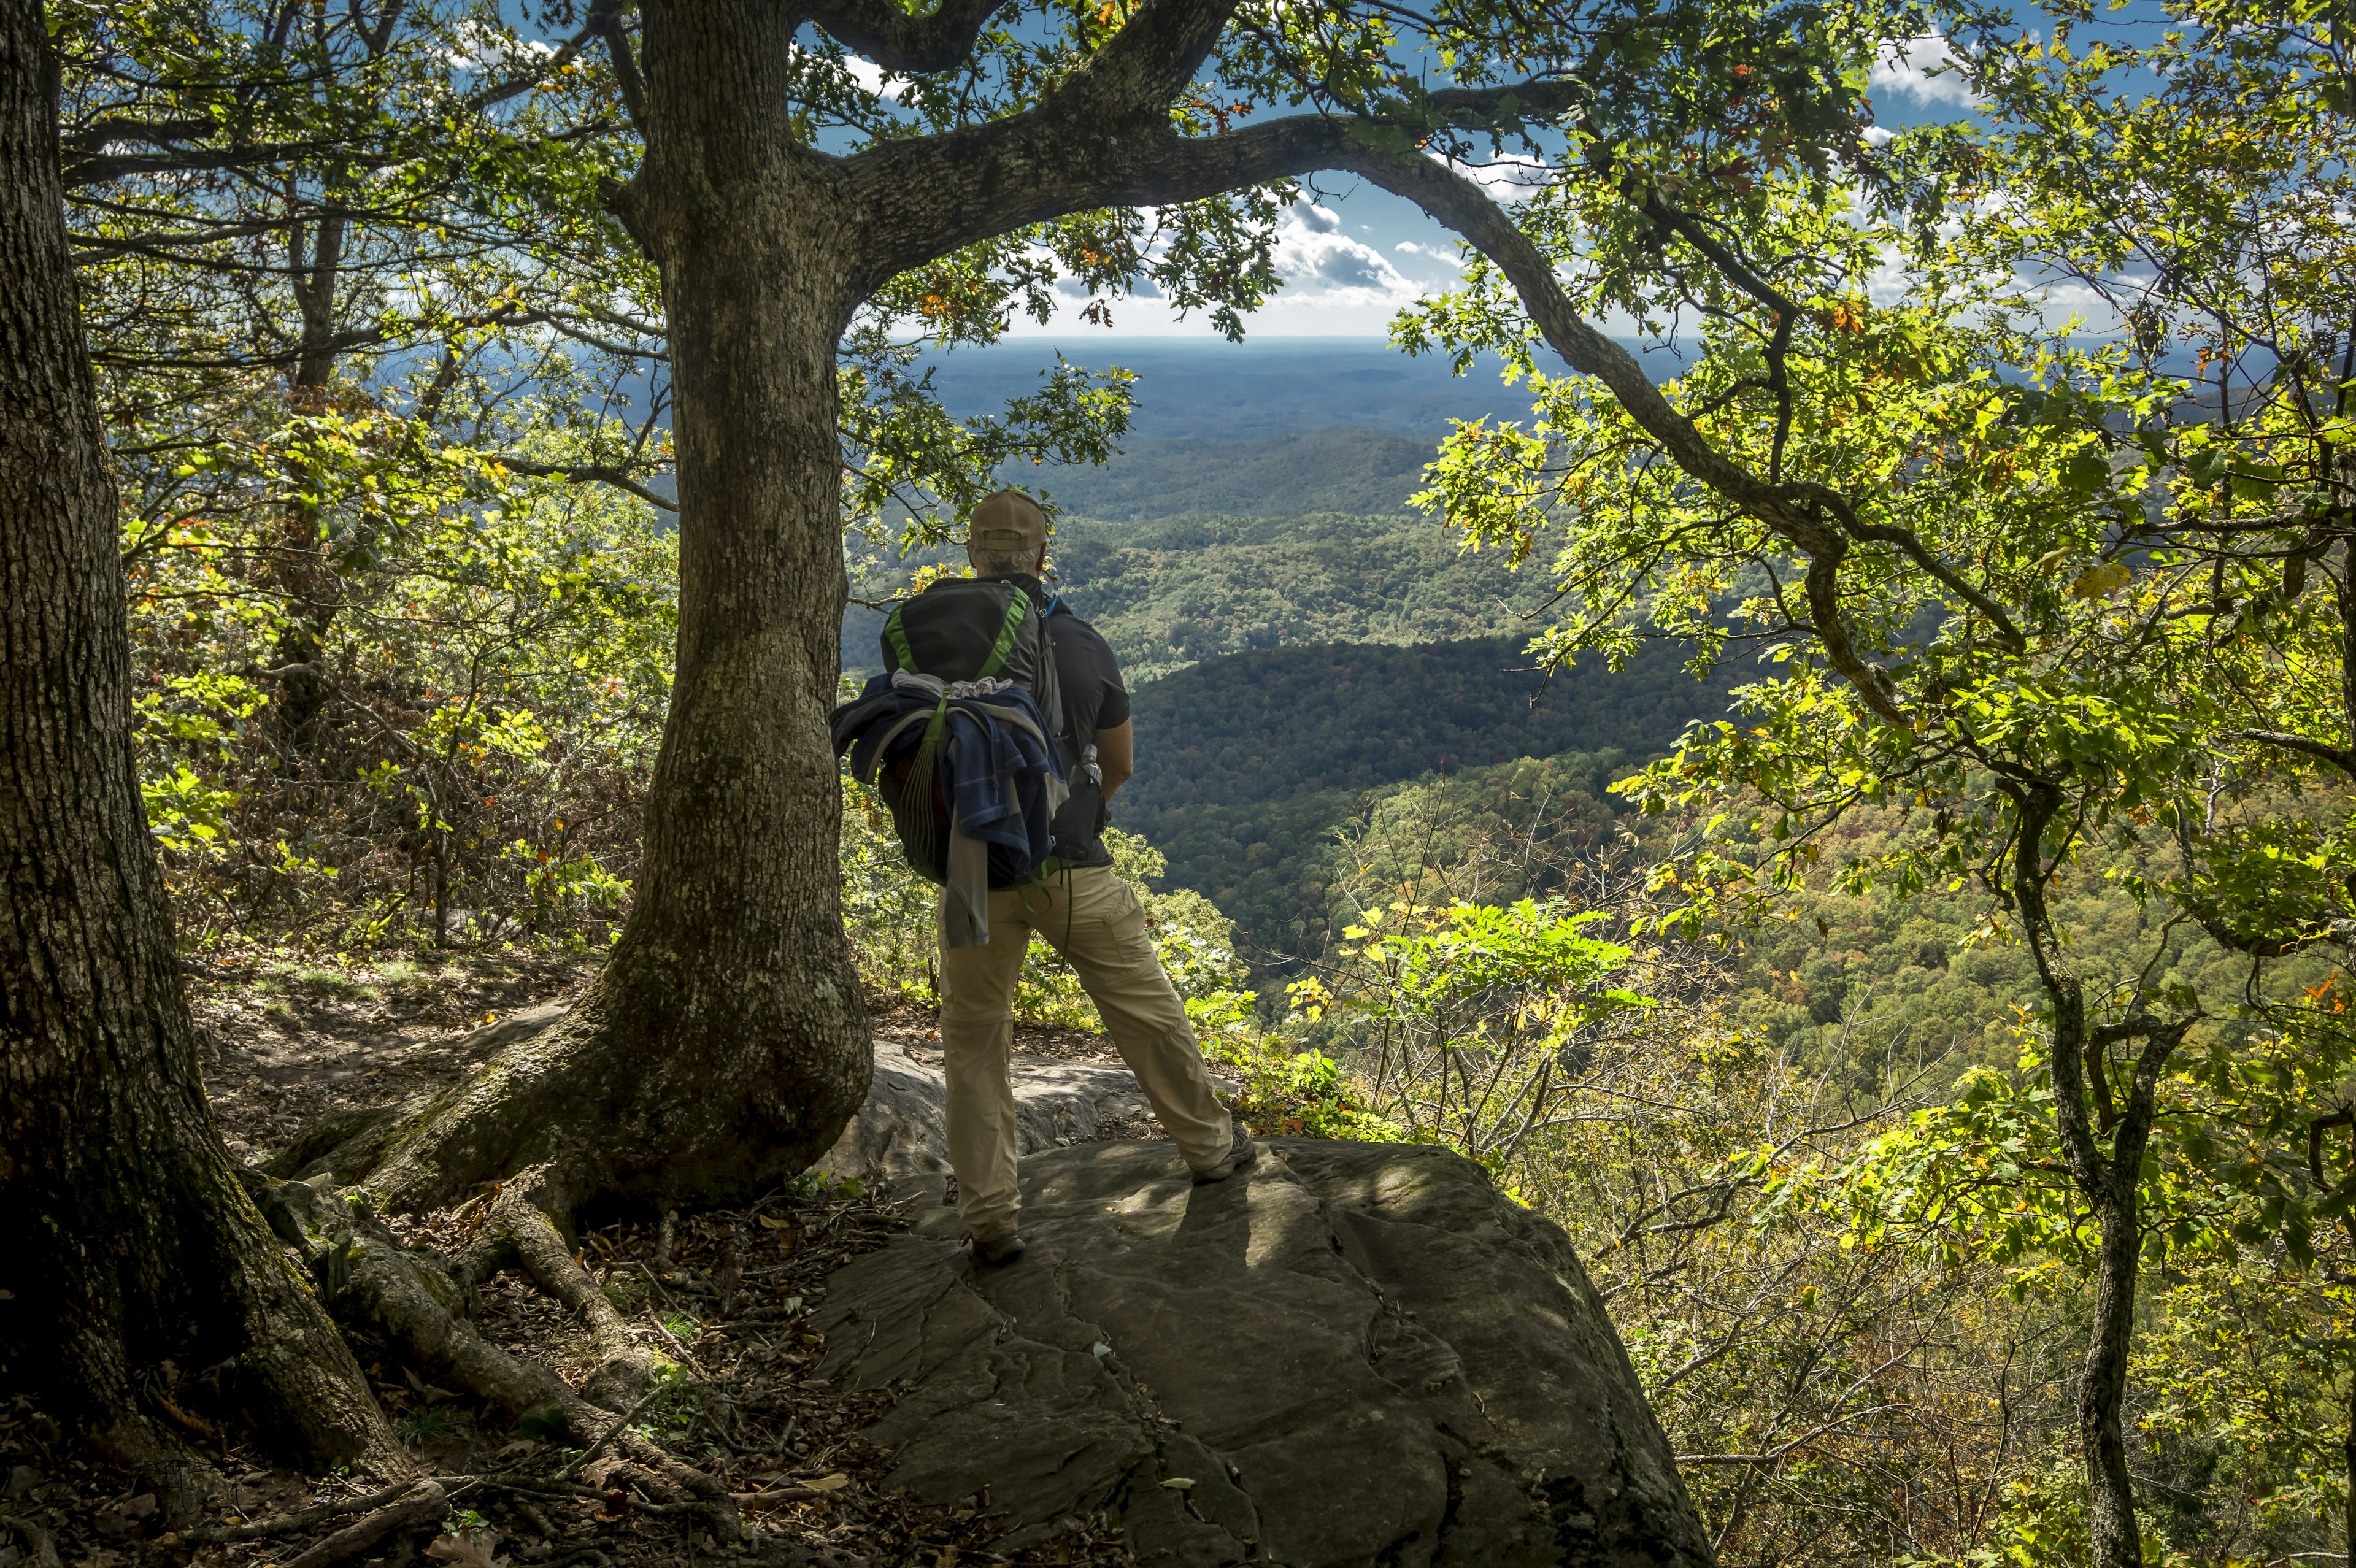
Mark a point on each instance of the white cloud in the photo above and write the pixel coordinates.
(1508, 177)
(1319, 260)
(1430, 252)
(481, 48)
(868, 75)
(1880, 136)
(1906, 73)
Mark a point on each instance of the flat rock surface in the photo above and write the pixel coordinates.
(1353, 1354)
(903, 1130)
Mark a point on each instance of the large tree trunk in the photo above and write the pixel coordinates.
(124, 1233)
(725, 1044)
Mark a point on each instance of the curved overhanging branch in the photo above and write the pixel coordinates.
(1795, 517)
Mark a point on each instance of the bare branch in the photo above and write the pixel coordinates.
(2339, 757)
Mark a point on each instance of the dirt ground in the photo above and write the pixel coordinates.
(288, 1039)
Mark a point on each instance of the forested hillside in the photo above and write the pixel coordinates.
(1249, 764)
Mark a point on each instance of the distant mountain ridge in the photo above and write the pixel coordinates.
(1340, 468)
(1206, 389)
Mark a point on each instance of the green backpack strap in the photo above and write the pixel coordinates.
(1008, 634)
(899, 641)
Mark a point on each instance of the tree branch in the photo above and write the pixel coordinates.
(587, 473)
(1465, 207)
(1104, 139)
(889, 36)
(605, 21)
(2339, 757)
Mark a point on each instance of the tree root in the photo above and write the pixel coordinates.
(626, 1368)
(416, 1303)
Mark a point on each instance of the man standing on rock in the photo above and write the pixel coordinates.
(1090, 917)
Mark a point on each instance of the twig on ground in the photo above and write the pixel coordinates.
(611, 1433)
(425, 1504)
(301, 1518)
(685, 1355)
(536, 1485)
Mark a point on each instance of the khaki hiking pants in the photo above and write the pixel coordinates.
(1095, 921)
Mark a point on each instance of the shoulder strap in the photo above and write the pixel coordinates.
(1009, 632)
(899, 641)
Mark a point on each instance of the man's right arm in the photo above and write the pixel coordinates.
(1117, 756)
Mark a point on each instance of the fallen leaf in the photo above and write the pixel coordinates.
(472, 1550)
(771, 1222)
(1180, 1483)
(833, 1483)
(545, 1422)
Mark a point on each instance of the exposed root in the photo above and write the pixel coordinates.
(626, 1368)
(792, 1456)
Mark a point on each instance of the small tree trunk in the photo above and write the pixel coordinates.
(725, 1043)
(2115, 1537)
(124, 1232)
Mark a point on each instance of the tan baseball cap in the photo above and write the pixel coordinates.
(1007, 520)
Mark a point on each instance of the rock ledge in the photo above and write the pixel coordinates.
(1357, 1354)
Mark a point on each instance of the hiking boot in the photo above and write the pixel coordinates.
(1239, 1155)
(997, 1252)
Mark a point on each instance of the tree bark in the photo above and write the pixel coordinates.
(2115, 1537)
(725, 1043)
(126, 1237)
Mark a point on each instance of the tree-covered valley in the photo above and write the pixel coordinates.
(1748, 815)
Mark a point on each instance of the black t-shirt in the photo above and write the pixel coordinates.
(1094, 700)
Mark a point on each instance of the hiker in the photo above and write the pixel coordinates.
(1089, 916)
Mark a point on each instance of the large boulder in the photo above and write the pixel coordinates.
(1351, 1355)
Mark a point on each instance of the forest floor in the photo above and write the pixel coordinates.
(288, 1039)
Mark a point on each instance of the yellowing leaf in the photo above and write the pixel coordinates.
(833, 1483)
(2096, 580)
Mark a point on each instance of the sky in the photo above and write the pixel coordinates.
(1352, 255)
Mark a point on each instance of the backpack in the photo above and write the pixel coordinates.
(960, 633)
(969, 628)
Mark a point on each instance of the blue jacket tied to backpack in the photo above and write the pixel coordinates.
(973, 757)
